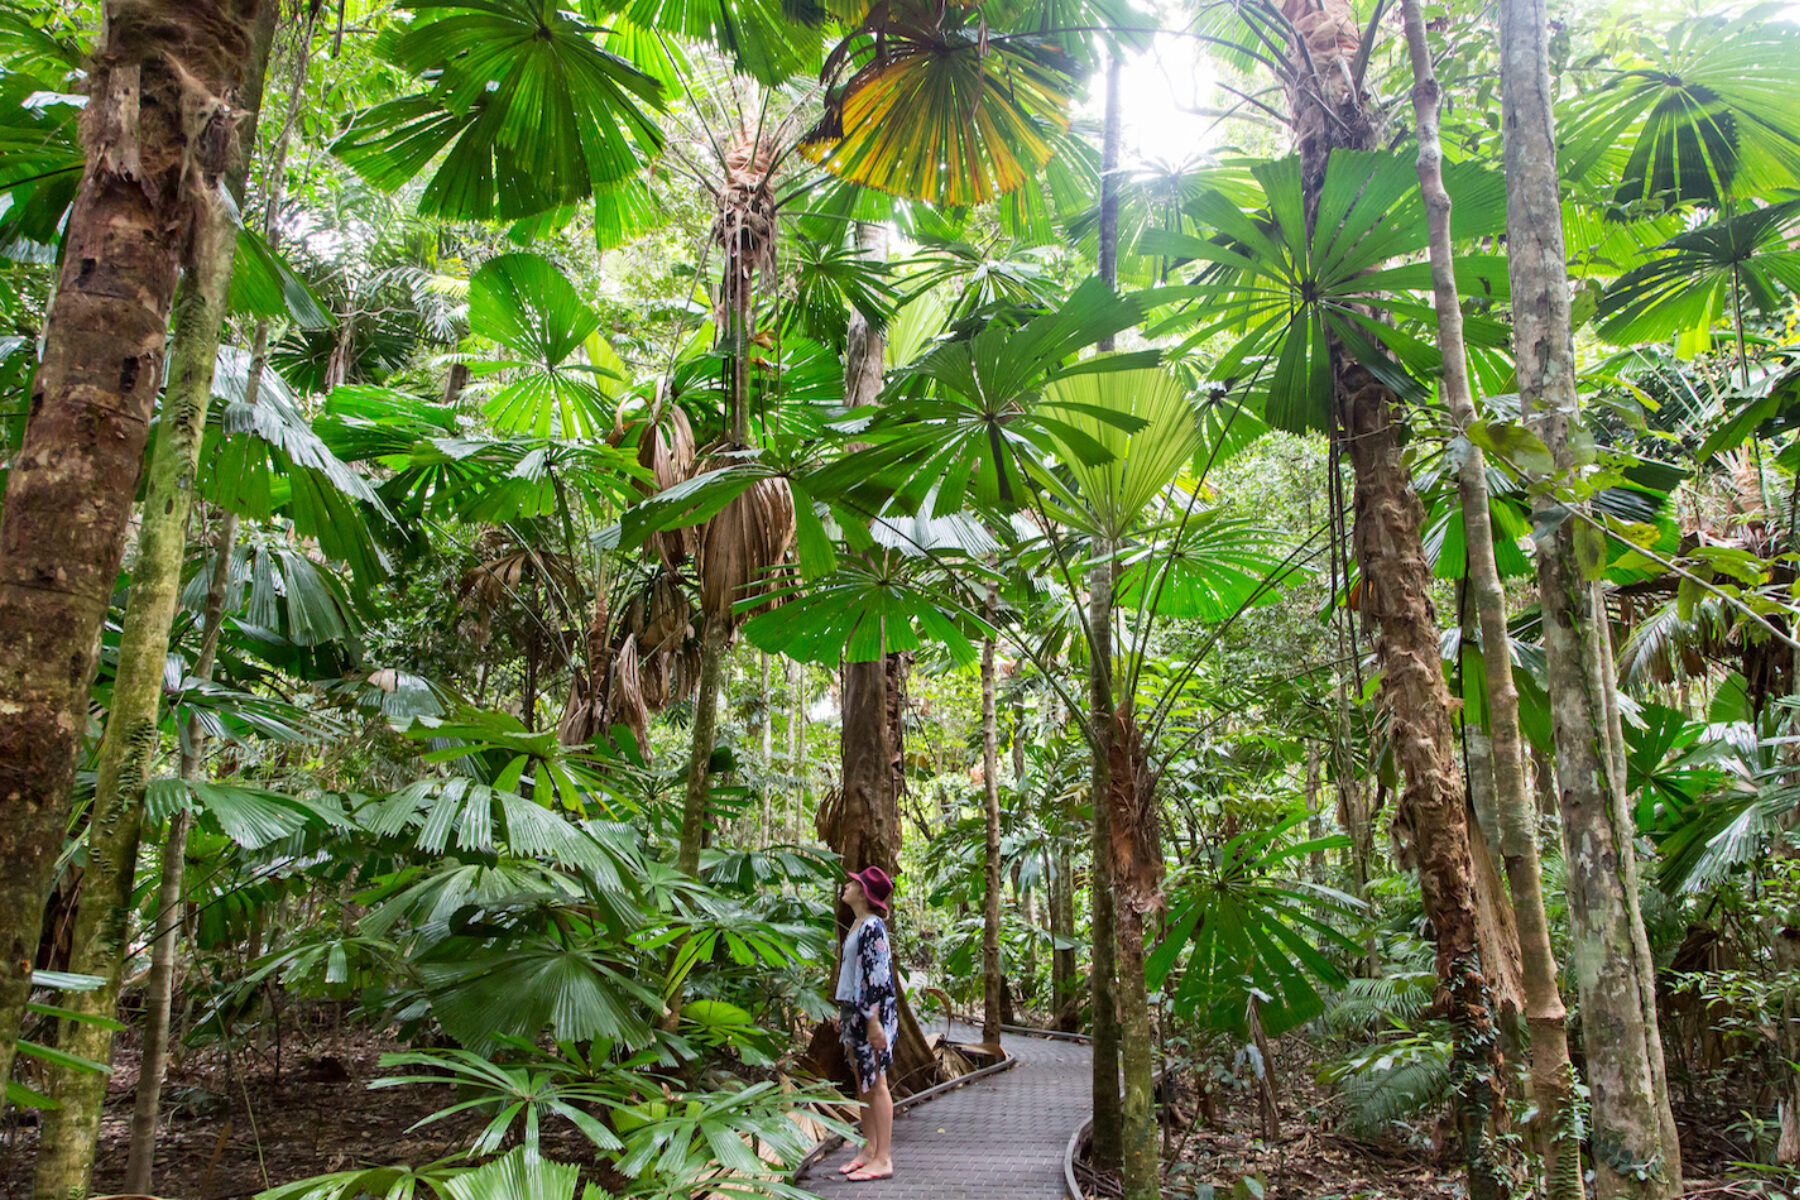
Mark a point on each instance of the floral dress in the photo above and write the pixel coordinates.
(874, 997)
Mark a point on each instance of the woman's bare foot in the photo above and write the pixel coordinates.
(855, 1164)
(873, 1170)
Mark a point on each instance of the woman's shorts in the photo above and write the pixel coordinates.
(871, 1064)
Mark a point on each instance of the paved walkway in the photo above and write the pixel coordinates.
(999, 1138)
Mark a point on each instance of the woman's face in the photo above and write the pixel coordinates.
(852, 893)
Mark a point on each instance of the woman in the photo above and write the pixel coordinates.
(869, 1018)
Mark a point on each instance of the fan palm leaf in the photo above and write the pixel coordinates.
(527, 112)
(936, 109)
(1290, 294)
(1699, 278)
(1710, 115)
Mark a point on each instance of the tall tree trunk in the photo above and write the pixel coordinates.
(1315, 818)
(129, 745)
(140, 1166)
(715, 640)
(991, 975)
(1497, 753)
(158, 133)
(128, 748)
(864, 825)
(1137, 893)
(1432, 814)
(1635, 1149)
(1103, 970)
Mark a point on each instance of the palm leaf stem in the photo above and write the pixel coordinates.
(1159, 714)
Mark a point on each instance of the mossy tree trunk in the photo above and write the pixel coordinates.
(158, 133)
(1635, 1149)
(1134, 818)
(140, 1165)
(129, 747)
(1103, 971)
(715, 639)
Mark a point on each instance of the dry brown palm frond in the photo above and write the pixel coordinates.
(746, 226)
(666, 450)
(581, 717)
(742, 547)
(584, 714)
(667, 615)
(654, 673)
(498, 582)
(660, 617)
(685, 666)
(624, 699)
(829, 816)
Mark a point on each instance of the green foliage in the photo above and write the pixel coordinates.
(1707, 115)
(1393, 1080)
(524, 303)
(531, 112)
(1287, 295)
(1704, 276)
(932, 110)
(1240, 934)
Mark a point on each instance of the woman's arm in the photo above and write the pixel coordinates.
(877, 963)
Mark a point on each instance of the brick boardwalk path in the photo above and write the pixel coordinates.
(999, 1138)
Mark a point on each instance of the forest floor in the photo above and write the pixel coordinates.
(234, 1127)
(1221, 1144)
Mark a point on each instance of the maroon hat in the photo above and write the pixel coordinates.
(876, 886)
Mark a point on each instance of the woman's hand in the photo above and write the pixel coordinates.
(877, 1035)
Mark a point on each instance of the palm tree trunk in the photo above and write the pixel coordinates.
(69, 495)
(715, 637)
(1103, 970)
(1637, 1153)
(1137, 892)
(1432, 813)
(128, 748)
(991, 975)
(1500, 748)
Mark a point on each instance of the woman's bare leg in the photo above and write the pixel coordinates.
(878, 1126)
(862, 1156)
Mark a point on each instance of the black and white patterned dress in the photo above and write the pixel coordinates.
(875, 998)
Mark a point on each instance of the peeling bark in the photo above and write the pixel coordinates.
(1431, 817)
